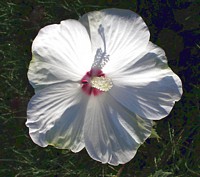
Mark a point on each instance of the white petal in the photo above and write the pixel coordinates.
(61, 52)
(126, 35)
(55, 116)
(112, 133)
(148, 86)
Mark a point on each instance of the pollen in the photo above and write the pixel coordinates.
(102, 83)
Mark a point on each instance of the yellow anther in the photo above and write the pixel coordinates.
(101, 83)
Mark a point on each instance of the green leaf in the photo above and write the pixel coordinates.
(161, 173)
(154, 134)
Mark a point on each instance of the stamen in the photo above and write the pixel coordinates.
(101, 83)
(101, 57)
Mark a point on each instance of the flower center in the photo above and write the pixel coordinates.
(101, 83)
(95, 82)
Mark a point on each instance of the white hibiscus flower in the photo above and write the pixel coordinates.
(99, 82)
